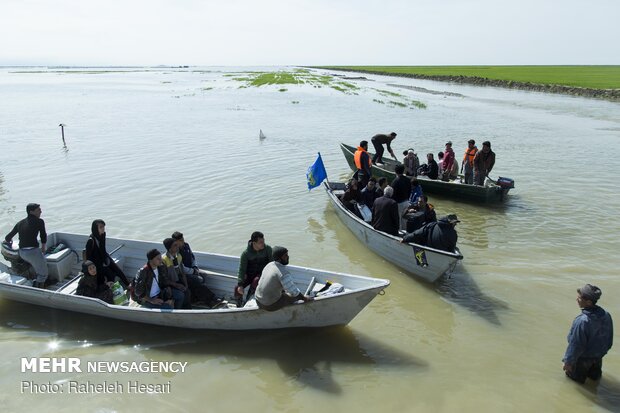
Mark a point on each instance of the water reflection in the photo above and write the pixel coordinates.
(306, 355)
(604, 393)
(461, 289)
(407, 302)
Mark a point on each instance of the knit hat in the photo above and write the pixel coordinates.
(278, 252)
(452, 218)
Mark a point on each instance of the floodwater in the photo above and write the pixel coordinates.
(157, 150)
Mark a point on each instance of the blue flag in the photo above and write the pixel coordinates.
(316, 173)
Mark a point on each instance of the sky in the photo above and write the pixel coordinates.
(309, 32)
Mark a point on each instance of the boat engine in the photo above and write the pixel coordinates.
(505, 183)
(18, 265)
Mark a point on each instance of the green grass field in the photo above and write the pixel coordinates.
(593, 77)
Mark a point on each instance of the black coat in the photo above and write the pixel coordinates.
(402, 188)
(385, 215)
(440, 235)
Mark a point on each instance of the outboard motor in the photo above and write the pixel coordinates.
(505, 183)
(18, 265)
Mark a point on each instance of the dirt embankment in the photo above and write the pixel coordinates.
(607, 94)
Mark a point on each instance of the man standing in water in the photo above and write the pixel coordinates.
(28, 229)
(378, 141)
(590, 337)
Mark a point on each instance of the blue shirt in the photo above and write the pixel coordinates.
(590, 336)
(415, 194)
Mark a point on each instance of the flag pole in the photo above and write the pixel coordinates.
(326, 178)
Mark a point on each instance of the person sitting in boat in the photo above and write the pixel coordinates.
(483, 163)
(419, 214)
(381, 184)
(369, 194)
(189, 259)
(440, 235)
(430, 168)
(385, 213)
(151, 285)
(440, 169)
(176, 276)
(416, 192)
(351, 196)
(276, 287)
(411, 162)
(95, 251)
(378, 141)
(253, 259)
(91, 286)
(362, 163)
(189, 284)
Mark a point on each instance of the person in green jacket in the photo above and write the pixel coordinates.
(253, 260)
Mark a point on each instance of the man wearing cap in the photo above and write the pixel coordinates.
(468, 161)
(378, 141)
(411, 162)
(151, 285)
(449, 162)
(276, 287)
(483, 163)
(28, 229)
(440, 235)
(590, 337)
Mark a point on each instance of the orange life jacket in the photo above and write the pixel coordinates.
(358, 158)
(470, 154)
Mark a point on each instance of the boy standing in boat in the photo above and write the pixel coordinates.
(28, 229)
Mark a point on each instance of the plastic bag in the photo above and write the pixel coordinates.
(118, 294)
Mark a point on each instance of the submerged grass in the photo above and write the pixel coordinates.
(594, 77)
(305, 77)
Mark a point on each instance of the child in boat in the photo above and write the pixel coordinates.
(89, 286)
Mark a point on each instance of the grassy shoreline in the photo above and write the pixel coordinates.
(592, 81)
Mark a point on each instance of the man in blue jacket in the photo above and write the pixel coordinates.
(590, 337)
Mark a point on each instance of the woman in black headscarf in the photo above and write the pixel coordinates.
(107, 270)
(89, 285)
